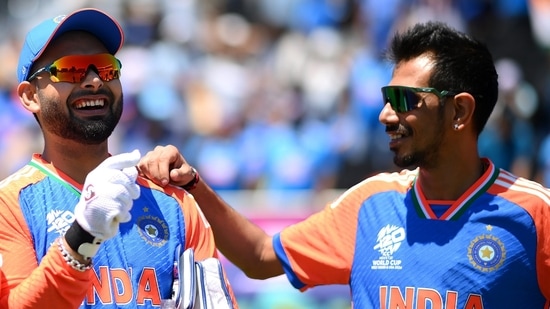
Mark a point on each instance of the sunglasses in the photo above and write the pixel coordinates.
(73, 68)
(403, 99)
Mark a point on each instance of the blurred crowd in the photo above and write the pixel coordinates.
(285, 94)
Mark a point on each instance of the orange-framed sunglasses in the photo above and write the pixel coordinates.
(73, 68)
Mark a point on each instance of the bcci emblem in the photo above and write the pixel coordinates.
(486, 253)
(153, 230)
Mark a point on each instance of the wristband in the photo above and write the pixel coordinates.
(193, 183)
(82, 241)
(74, 263)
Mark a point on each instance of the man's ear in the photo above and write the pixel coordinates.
(464, 106)
(28, 96)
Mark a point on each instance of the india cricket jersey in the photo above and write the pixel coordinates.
(395, 249)
(132, 270)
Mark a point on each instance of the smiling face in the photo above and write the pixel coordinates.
(85, 112)
(417, 136)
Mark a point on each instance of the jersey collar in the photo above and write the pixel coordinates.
(459, 206)
(49, 169)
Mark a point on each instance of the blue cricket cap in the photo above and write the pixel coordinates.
(94, 21)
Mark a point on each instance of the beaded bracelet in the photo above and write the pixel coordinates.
(74, 263)
(193, 183)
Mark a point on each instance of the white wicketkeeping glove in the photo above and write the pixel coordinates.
(108, 194)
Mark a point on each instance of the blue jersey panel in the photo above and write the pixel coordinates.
(48, 209)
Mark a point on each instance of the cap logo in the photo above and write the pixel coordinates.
(59, 18)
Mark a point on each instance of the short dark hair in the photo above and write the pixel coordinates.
(462, 63)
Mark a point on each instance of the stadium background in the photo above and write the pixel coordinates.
(276, 102)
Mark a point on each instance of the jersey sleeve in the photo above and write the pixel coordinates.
(24, 283)
(535, 199)
(319, 250)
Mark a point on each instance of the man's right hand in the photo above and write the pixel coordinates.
(108, 194)
(166, 165)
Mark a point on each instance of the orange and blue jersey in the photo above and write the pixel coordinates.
(395, 249)
(132, 270)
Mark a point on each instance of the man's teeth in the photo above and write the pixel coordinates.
(90, 103)
(396, 136)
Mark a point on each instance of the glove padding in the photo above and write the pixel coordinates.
(108, 194)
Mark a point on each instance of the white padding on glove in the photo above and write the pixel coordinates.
(108, 194)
